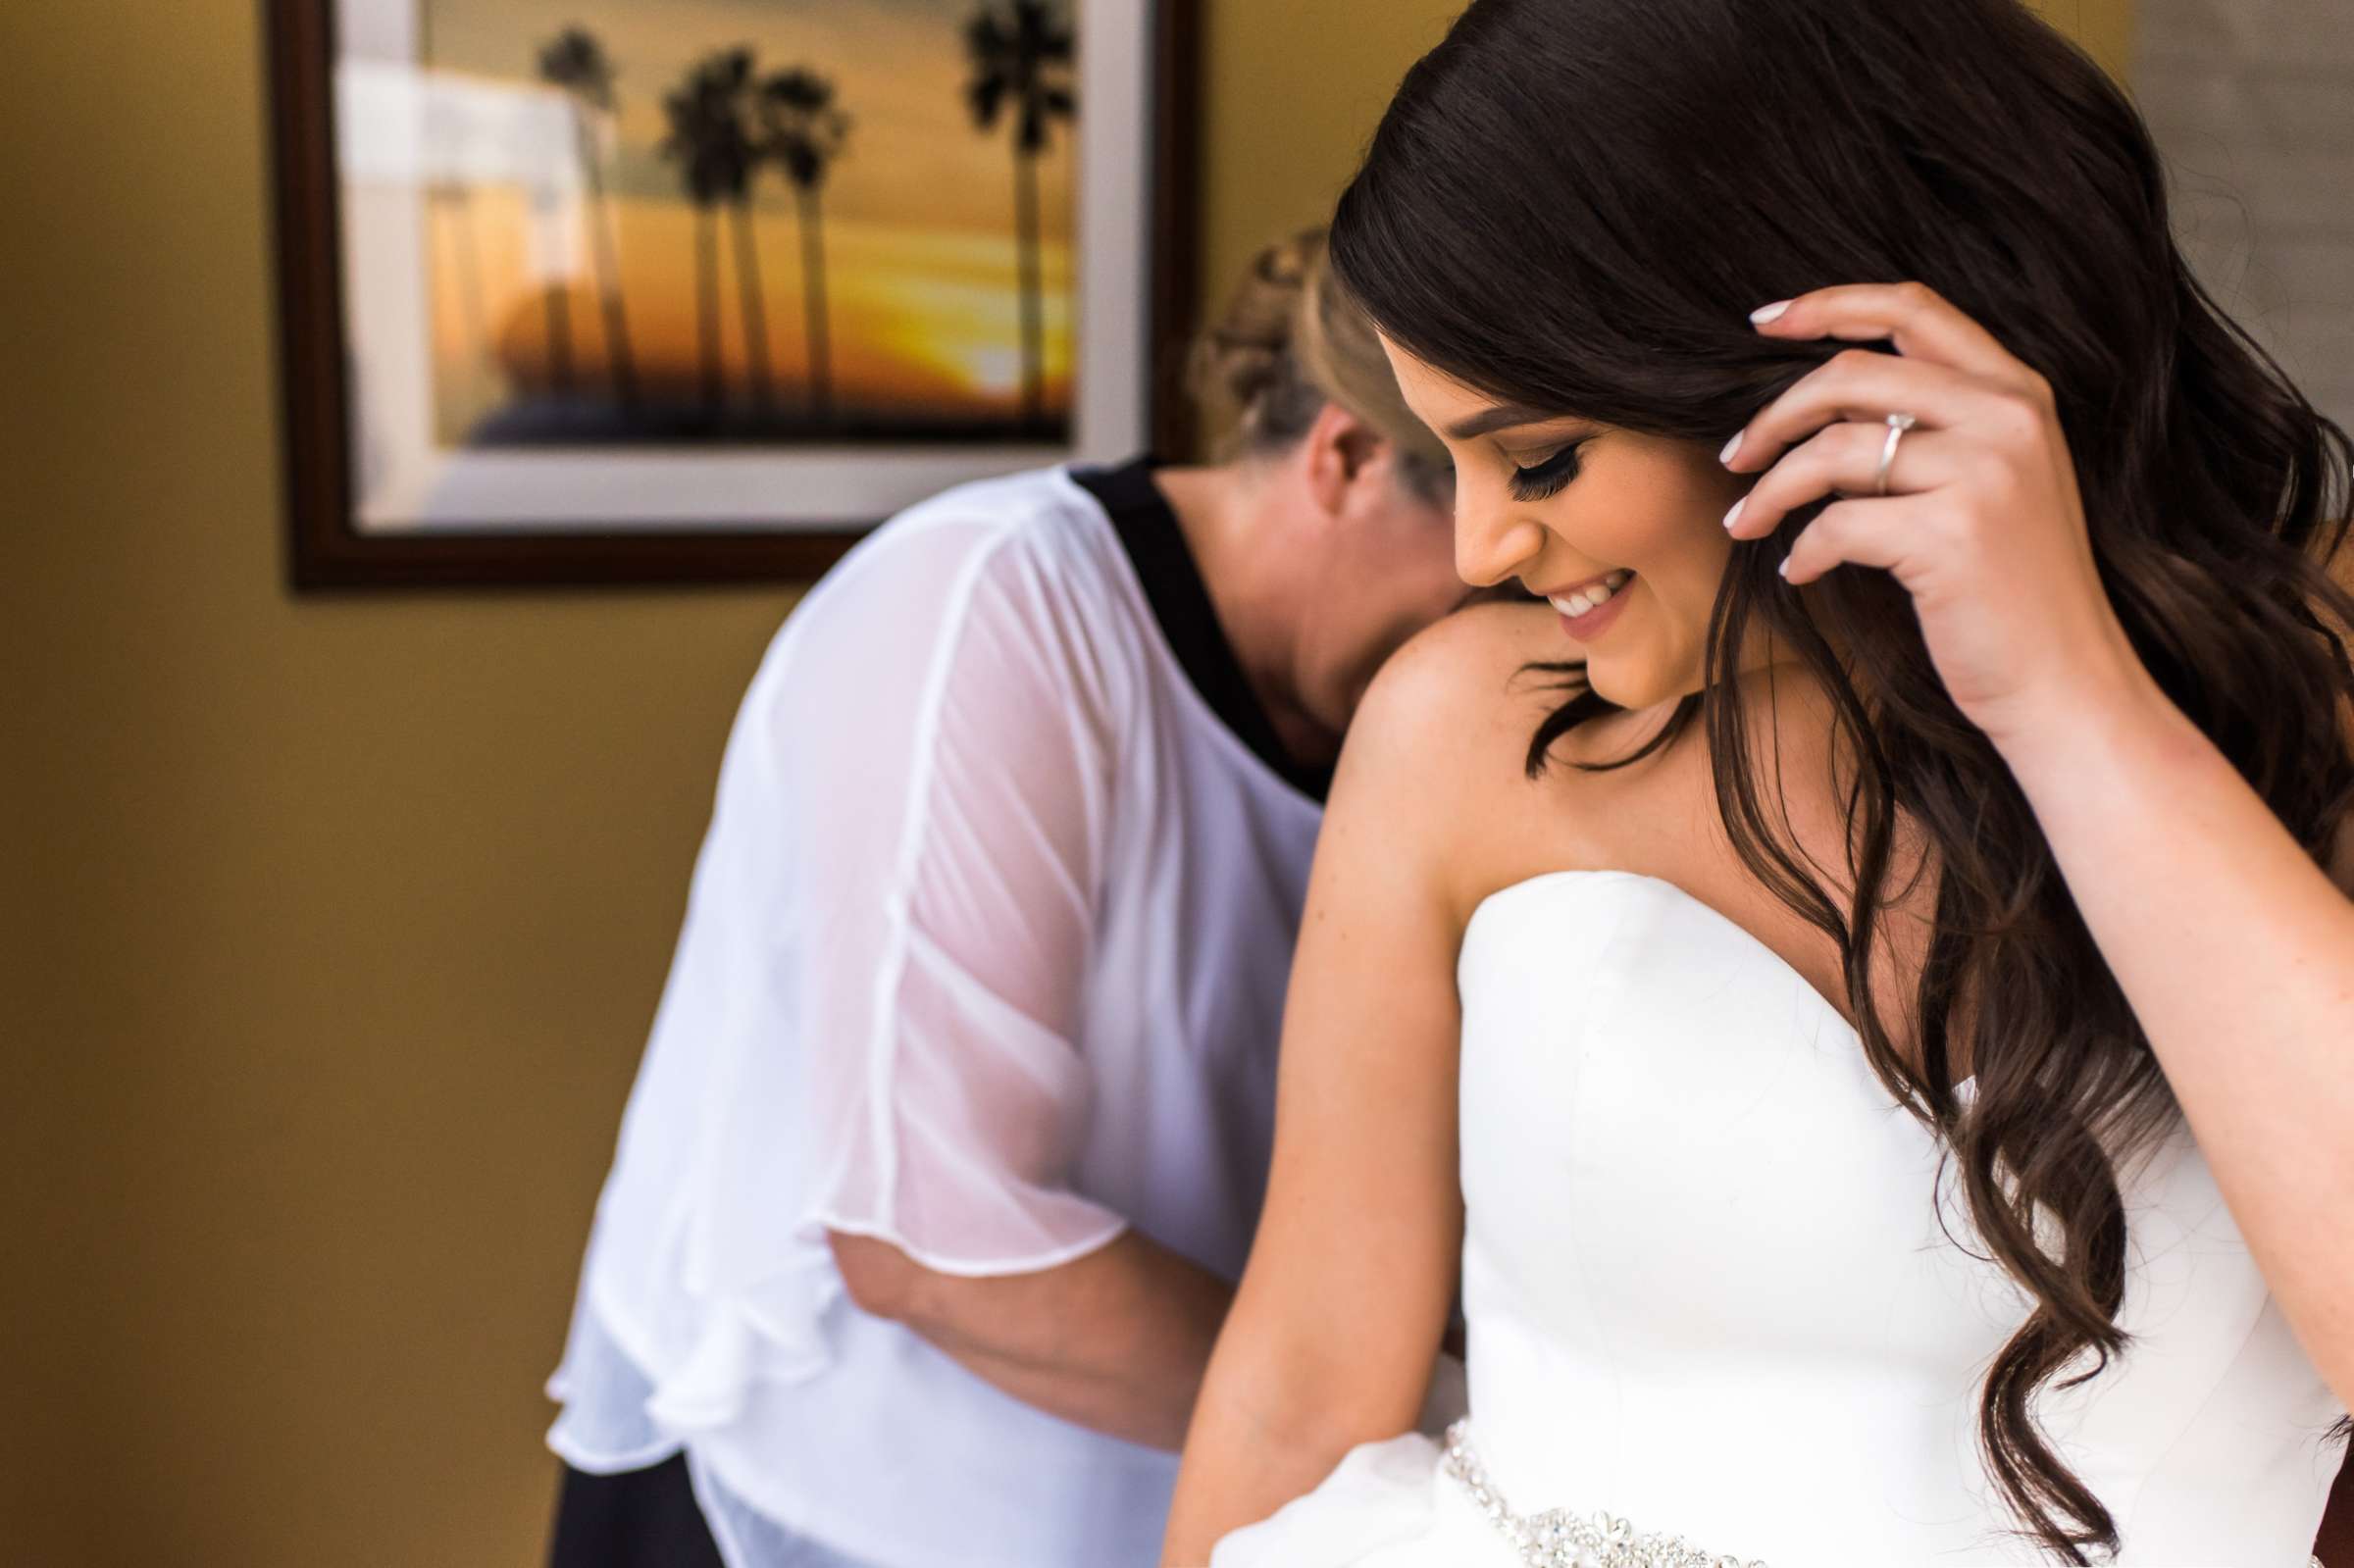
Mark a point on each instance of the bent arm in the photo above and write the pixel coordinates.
(1114, 1341)
(1345, 1297)
(2237, 953)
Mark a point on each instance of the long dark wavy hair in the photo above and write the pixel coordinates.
(1573, 204)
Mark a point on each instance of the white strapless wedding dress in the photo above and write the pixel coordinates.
(1709, 1294)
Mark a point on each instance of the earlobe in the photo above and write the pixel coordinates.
(1345, 456)
(1335, 456)
(1328, 475)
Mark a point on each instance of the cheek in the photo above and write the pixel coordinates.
(1414, 566)
(1682, 580)
(1665, 543)
(1663, 520)
(1692, 563)
(1411, 585)
(1430, 556)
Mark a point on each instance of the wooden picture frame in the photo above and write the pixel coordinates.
(1125, 386)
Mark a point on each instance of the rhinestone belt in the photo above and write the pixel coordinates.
(1560, 1538)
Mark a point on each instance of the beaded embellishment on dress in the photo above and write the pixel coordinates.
(1560, 1539)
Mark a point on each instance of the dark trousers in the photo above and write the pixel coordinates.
(639, 1519)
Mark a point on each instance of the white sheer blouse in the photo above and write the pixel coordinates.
(985, 955)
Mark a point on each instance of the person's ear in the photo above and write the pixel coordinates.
(1346, 460)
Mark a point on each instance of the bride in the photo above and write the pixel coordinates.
(1859, 996)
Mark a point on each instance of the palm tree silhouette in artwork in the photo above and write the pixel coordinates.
(715, 155)
(577, 63)
(1021, 52)
(803, 132)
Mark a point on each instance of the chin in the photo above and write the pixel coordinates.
(1626, 684)
(1639, 684)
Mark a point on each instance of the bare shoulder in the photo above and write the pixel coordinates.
(1462, 692)
(1436, 758)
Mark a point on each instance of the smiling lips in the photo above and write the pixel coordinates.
(1590, 597)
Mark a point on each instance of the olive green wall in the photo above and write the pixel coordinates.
(2105, 28)
(332, 925)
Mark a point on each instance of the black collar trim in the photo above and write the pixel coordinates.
(1148, 532)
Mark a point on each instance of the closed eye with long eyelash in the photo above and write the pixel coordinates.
(1541, 480)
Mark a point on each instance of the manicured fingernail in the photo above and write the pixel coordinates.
(1784, 568)
(1767, 312)
(1734, 515)
(1730, 448)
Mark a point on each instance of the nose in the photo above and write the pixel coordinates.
(1490, 545)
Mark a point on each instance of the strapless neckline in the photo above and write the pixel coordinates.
(1719, 1284)
(1683, 898)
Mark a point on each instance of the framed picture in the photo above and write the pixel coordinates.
(631, 290)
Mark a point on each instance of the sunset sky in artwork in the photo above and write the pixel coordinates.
(917, 215)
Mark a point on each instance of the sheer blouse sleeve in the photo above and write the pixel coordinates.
(938, 744)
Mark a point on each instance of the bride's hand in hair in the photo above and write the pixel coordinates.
(1979, 520)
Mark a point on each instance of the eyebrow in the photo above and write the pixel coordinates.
(1503, 417)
